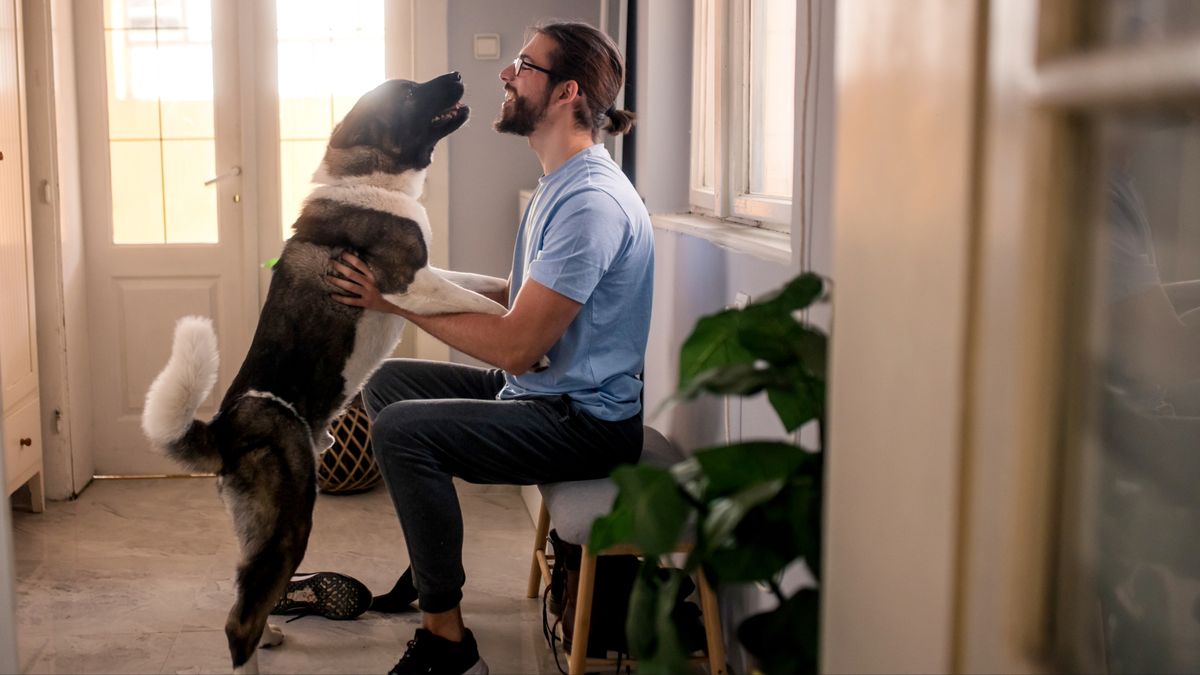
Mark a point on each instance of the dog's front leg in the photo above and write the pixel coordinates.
(480, 283)
(430, 293)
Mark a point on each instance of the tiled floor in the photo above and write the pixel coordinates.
(135, 577)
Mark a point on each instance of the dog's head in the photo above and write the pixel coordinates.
(393, 127)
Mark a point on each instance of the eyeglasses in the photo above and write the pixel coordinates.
(520, 62)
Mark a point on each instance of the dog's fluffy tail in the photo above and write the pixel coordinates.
(169, 416)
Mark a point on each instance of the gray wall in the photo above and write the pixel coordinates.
(486, 168)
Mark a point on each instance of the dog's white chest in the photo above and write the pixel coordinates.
(375, 337)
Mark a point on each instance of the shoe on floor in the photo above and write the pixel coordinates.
(428, 653)
(329, 594)
(400, 598)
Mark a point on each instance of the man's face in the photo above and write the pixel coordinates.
(526, 95)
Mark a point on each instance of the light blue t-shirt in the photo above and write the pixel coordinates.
(586, 235)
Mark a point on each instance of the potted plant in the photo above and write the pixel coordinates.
(754, 506)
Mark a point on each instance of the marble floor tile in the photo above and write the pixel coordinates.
(136, 576)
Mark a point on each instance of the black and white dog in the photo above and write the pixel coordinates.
(311, 354)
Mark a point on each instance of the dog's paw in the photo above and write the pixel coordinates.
(542, 364)
(271, 636)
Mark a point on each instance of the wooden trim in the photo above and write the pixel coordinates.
(1120, 77)
(1014, 397)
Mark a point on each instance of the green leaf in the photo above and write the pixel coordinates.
(785, 640)
(797, 294)
(650, 629)
(640, 631)
(772, 337)
(743, 564)
(649, 512)
(730, 468)
(738, 379)
(812, 346)
(725, 513)
(713, 343)
(798, 405)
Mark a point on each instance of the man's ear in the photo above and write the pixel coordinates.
(570, 89)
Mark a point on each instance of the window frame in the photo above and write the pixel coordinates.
(729, 198)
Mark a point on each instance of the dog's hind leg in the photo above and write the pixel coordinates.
(261, 581)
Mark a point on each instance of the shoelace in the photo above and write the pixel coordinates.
(410, 655)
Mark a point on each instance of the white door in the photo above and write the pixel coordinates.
(175, 93)
(158, 93)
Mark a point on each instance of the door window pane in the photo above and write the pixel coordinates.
(160, 120)
(329, 55)
(772, 86)
(1132, 543)
(190, 213)
(137, 204)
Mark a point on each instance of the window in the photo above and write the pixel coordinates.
(1129, 589)
(743, 110)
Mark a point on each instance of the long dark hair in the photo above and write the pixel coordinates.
(591, 58)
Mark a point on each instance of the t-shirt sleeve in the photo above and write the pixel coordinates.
(581, 242)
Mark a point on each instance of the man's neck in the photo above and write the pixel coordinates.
(555, 145)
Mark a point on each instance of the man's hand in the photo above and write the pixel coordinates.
(359, 283)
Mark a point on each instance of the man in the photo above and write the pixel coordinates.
(579, 292)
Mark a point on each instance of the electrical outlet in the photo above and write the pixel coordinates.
(740, 300)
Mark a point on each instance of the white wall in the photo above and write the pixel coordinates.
(487, 169)
(694, 277)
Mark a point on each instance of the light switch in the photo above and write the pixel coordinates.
(487, 46)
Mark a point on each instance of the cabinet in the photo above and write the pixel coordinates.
(18, 335)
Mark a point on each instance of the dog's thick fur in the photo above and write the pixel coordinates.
(310, 354)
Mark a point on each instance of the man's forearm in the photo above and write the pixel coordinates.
(489, 338)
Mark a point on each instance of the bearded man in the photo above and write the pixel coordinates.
(579, 293)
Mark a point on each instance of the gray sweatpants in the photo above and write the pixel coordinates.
(432, 421)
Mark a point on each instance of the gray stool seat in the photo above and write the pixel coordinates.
(575, 505)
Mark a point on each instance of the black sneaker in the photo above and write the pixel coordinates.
(332, 595)
(428, 653)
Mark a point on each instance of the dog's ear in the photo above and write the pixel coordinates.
(365, 129)
(356, 129)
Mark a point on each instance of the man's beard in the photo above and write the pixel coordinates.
(524, 116)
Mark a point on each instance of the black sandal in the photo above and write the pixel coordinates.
(330, 594)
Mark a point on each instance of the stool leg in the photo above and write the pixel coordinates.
(712, 627)
(539, 544)
(583, 613)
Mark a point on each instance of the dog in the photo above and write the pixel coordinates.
(311, 354)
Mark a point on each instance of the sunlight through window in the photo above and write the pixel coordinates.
(330, 54)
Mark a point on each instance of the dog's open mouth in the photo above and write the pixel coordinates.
(450, 113)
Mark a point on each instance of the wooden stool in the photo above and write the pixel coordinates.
(573, 506)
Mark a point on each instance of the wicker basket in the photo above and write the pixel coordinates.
(348, 466)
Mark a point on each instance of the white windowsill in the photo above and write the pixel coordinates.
(756, 241)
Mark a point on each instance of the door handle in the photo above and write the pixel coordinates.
(232, 173)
